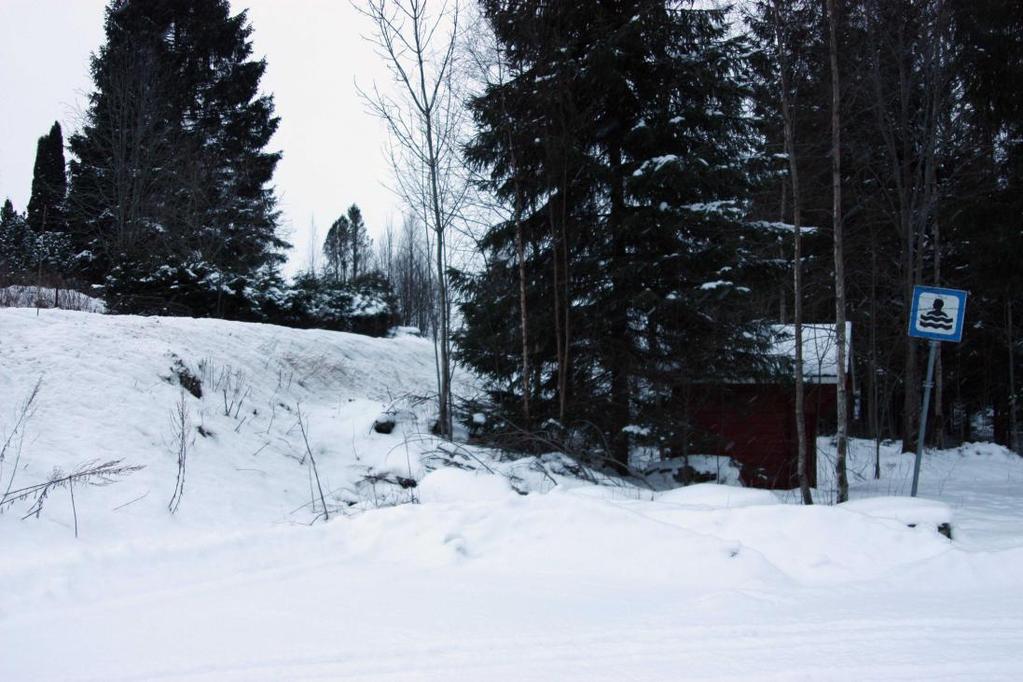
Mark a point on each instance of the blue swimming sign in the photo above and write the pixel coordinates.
(937, 314)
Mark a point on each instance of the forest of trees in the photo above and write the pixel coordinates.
(607, 204)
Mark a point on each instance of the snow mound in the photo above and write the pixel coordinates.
(718, 496)
(262, 404)
(583, 578)
(459, 485)
(912, 511)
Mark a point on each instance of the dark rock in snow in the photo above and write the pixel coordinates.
(384, 424)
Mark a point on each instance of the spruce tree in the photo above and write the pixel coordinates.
(623, 128)
(171, 190)
(49, 184)
(346, 247)
(17, 242)
(983, 240)
(360, 242)
(336, 250)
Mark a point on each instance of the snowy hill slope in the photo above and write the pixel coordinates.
(573, 581)
(109, 387)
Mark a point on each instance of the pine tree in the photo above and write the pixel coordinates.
(49, 184)
(171, 180)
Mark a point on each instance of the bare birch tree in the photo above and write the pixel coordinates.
(418, 41)
(783, 57)
(836, 188)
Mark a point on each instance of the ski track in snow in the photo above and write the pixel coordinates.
(580, 582)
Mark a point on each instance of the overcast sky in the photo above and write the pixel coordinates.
(333, 149)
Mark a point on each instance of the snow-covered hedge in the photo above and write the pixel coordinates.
(196, 288)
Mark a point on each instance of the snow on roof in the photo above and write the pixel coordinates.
(819, 349)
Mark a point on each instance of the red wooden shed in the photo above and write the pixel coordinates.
(754, 423)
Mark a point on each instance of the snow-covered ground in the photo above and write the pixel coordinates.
(573, 581)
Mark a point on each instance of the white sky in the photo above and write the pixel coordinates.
(333, 149)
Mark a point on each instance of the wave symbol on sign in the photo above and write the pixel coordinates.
(936, 318)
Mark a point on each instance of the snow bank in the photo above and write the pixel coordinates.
(509, 587)
(718, 496)
(574, 580)
(912, 511)
(458, 485)
(109, 386)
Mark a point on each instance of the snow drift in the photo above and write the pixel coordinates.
(498, 569)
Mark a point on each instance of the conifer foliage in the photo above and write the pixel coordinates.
(171, 197)
(17, 243)
(347, 247)
(49, 184)
(621, 136)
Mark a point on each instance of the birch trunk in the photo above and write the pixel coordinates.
(797, 260)
(840, 340)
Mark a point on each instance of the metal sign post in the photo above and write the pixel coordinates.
(937, 315)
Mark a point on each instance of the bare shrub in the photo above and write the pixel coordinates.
(183, 438)
(51, 293)
(231, 383)
(303, 428)
(13, 442)
(92, 473)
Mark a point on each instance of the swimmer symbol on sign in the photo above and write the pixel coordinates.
(936, 318)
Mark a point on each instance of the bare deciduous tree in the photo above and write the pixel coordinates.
(836, 188)
(404, 257)
(783, 48)
(418, 41)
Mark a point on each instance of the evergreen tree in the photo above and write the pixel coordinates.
(361, 244)
(622, 134)
(347, 247)
(17, 243)
(171, 167)
(984, 241)
(337, 249)
(49, 184)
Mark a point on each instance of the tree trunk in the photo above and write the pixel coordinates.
(782, 215)
(875, 425)
(521, 255)
(566, 301)
(559, 338)
(797, 262)
(911, 383)
(444, 399)
(939, 383)
(618, 358)
(836, 184)
(1014, 443)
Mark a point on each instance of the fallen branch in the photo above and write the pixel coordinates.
(87, 473)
